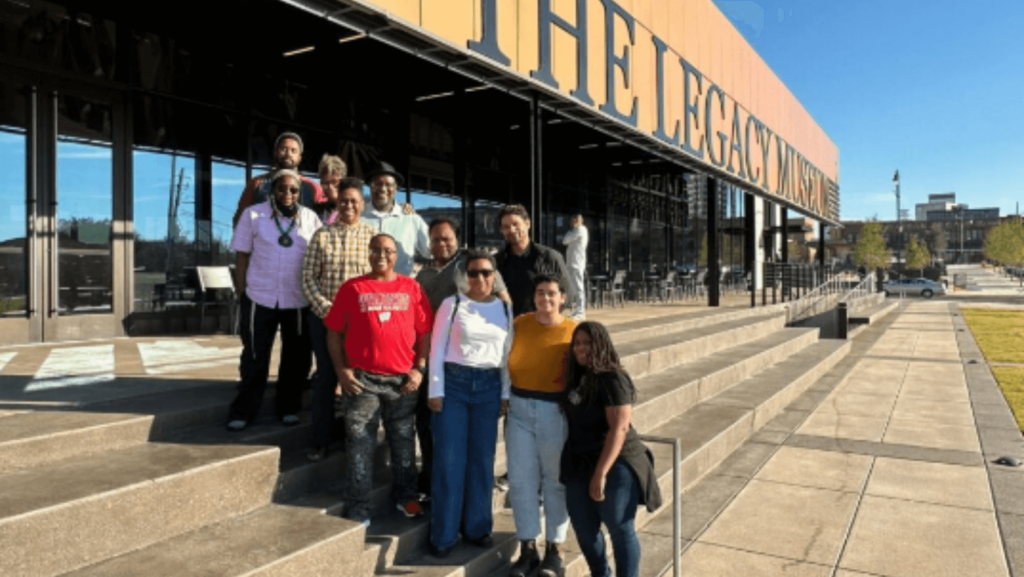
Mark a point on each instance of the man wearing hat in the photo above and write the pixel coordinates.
(387, 216)
(287, 155)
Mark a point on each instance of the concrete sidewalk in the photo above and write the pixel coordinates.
(878, 470)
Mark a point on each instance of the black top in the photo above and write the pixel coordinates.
(519, 270)
(588, 428)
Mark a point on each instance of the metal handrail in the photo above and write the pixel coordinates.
(677, 507)
(807, 302)
(864, 289)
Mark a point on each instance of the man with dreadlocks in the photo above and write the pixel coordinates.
(606, 469)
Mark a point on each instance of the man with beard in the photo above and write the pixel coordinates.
(445, 276)
(384, 214)
(378, 335)
(270, 240)
(287, 155)
(338, 252)
(523, 259)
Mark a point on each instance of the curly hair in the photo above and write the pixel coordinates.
(603, 359)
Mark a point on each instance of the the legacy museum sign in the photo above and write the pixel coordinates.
(676, 70)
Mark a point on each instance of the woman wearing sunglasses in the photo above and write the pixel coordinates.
(469, 388)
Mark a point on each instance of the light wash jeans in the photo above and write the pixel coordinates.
(579, 307)
(534, 439)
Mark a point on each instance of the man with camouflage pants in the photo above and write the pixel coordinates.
(378, 335)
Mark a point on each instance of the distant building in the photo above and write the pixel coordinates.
(944, 207)
(951, 240)
(936, 202)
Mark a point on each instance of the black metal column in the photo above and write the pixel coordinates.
(784, 227)
(714, 272)
(536, 166)
(750, 245)
(459, 167)
(821, 249)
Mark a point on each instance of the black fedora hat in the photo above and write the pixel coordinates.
(383, 168)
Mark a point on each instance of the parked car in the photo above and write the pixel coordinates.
(914, 286)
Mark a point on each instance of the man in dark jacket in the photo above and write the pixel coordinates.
(522, 259)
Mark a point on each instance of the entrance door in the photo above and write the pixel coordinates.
(64, 230)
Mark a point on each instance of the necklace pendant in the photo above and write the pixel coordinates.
(285, 240)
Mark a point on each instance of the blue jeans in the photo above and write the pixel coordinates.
(534, 439)
(465, 435)
(617, 512)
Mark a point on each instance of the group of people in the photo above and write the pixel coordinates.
(441, 356)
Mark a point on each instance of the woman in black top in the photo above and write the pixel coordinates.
(606, 469)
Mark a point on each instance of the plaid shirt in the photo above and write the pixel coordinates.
(335, 254)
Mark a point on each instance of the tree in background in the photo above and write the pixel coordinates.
(917, 255)
(1005, 244)
(870, 251)
(940, 242)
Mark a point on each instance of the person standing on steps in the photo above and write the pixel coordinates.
(384, 214)
(338, 252)
(469, 388)
(536, 429)
(379, 333)
(575, 242)
(445, 276)
(287, 156)
(522, 259)
(606, 469)
(270, 240)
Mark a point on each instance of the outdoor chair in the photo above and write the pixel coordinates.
(214, 282)
(617, 288)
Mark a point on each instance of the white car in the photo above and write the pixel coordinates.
(914, 286)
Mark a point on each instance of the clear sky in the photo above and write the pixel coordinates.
(934, 88)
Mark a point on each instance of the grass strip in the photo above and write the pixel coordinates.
(1000, 334)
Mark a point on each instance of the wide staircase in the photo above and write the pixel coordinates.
(151, 484)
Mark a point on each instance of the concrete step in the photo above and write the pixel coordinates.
(873, 314)
(275, 540)
(710, 431)
(647, 356)
(59, 517)
(657, 326)
(34, 438)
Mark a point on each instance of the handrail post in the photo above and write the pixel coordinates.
(842, 320)
(677, 507)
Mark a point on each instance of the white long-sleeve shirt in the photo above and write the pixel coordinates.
(481, 337)
(576, 241)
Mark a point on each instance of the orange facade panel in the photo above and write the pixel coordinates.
(726, 76)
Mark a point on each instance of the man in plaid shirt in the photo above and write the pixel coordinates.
(336, 253)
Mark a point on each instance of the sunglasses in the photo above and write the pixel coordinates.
(482, 272)
(290, 189)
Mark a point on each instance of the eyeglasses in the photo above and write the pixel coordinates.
(289, 190)
(383, 251)
(477, 273)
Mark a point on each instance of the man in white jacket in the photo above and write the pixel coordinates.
(576, 259)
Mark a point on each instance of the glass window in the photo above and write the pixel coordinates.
(486, 224)
(431, 206)
(84, 206)
(13, 223)
(164, 225)
(49, 35)
(228, 182)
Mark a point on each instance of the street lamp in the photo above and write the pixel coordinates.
(960, 217)
(899, 219)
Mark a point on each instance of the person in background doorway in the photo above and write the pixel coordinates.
(385, 215)
(379, 332)
(575, 242)
(287, 155)
(606, 469)
(270, 240)
(536, 428)
(338, 252)
(445, 276)
(522, 259)
(469, 387)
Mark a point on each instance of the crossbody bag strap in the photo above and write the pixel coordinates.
(451, 324)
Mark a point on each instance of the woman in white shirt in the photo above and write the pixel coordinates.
(469, 389)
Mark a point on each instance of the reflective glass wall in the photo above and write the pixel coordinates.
(13, 214)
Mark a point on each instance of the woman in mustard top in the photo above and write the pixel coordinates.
(537, 429)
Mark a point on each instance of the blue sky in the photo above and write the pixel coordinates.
(933, 88)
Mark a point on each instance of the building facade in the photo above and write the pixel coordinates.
(132, 132)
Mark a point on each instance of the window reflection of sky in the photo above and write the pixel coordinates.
(84, 182)
(12, 187)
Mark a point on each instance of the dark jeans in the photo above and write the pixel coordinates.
(424, 420)
(324, 383)
(465, 436)
(258, 326)
(617, 512)
(380, 400)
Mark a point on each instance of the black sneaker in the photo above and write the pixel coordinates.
(528, 560)
(552, 565)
